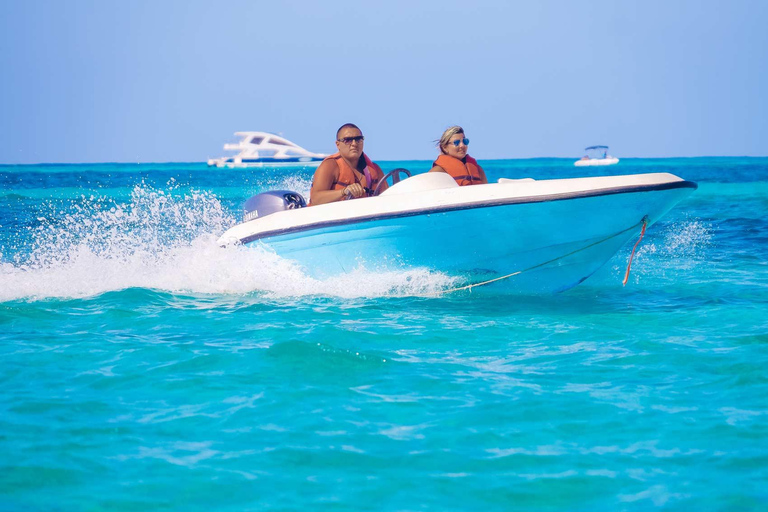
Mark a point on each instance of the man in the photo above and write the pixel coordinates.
(348, 174)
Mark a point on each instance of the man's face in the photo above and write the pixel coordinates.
(350, 143)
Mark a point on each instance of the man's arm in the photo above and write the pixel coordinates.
(325, 176)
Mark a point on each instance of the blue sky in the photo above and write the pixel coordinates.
(159, 81)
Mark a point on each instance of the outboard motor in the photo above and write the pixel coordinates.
(271, 202)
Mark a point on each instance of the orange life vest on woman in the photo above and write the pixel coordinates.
(347, 176)
(464, 174)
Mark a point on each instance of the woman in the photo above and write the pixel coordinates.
(455, 161)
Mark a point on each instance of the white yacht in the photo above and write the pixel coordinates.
(262, 149)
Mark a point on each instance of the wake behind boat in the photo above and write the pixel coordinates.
(263, 149)
(596, 155)
(522, 235)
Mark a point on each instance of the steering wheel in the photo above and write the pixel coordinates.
(395, 174)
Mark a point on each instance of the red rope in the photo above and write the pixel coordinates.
(629, 265)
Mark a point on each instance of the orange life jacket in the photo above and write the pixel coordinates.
(347, 176)
(464, 174)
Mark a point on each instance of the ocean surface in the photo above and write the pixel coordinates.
(142, 367)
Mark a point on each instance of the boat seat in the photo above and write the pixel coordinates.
(422, 183)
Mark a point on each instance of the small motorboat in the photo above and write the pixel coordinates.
(596, 155)
(519, 235)
(262, 149)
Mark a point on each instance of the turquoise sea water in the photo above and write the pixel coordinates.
(144, 368)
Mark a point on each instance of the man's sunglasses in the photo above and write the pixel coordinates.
(458, 142)
(350, 140)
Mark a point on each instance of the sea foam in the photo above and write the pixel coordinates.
(167, 240)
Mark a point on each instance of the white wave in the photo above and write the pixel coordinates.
(295, 183)
(687, 239)
(166, 240)
(679, 246)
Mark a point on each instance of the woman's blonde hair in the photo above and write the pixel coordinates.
(447, 134)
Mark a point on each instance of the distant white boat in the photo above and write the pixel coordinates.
(596, 155)
(263, 149)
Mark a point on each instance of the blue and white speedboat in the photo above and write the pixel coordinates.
(262, 149)
(518, 235)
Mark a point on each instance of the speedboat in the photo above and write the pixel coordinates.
(596, 155)
(519, 235)
(262, 149)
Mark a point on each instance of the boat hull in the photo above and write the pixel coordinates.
(596, 161)
(528, 244)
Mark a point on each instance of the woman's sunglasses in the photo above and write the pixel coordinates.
(350, 140)
(458, 142)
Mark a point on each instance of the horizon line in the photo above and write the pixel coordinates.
(387, 160)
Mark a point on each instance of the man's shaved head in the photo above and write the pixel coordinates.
(348, 125)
